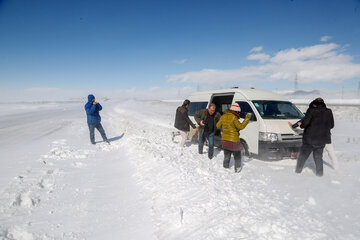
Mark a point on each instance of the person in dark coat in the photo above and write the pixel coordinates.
(317, 123)
(207, 119)
(328, 147)
(92, 109)
(183, 122)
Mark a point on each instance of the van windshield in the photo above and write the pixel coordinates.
(277, 110)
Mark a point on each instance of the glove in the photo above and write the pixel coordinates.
(248, 116)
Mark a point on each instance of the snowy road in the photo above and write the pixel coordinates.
(57, 186)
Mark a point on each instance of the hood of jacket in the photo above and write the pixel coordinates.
(228, 111)
(90, 98)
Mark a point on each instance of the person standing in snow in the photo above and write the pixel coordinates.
(92, 109)
(207, 119)
(183, 122)
(328, 147)
(317, 123)
(230, 126)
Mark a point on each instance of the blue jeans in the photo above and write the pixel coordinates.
(210, 138)
(99, 127)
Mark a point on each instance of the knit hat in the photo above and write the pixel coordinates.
(235, 107)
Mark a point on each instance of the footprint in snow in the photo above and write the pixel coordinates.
(277, 168)
(311, 201)
(78, 164)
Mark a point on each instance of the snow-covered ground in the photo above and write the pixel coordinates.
(55, 185)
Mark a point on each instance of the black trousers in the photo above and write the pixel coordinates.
(305, 152)
(227, 157)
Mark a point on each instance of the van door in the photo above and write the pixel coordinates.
(250, 133)
(222, 101)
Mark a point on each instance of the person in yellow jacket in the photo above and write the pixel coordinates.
(230, 126)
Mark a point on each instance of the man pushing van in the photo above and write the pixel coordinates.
(317, 123)
(207, 119)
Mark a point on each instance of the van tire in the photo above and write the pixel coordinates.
(246, 148)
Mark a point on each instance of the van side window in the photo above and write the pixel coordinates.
(195, 107)
(245, 108)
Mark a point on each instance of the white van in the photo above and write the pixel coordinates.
(268, 135)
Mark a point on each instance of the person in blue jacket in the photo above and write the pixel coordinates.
(92, 109)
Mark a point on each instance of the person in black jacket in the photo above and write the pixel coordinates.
(317, 123)
(183, 122)
(328, 147)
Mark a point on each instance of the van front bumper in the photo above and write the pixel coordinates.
(279, 149)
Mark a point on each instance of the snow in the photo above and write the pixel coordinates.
(55, 185)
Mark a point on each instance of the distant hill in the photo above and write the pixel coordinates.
(303, 93)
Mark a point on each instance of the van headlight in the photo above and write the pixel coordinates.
(268, 137)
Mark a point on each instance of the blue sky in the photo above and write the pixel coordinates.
(107, 45)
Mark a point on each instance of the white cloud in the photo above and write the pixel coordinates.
(152, 89)
(256, 49)
(262, 57)
(42, 90)
(216, 76)
(306, 53)
(325, 38)
(182, 61)
(318, 63)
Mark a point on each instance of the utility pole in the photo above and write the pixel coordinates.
(198, 87)
(296, 82)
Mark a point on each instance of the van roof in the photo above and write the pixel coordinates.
(249, 94)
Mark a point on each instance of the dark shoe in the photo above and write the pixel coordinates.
(237, 170)
(93, 143)
(200, 150)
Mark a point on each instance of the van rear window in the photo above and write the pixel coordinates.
(196, 106)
